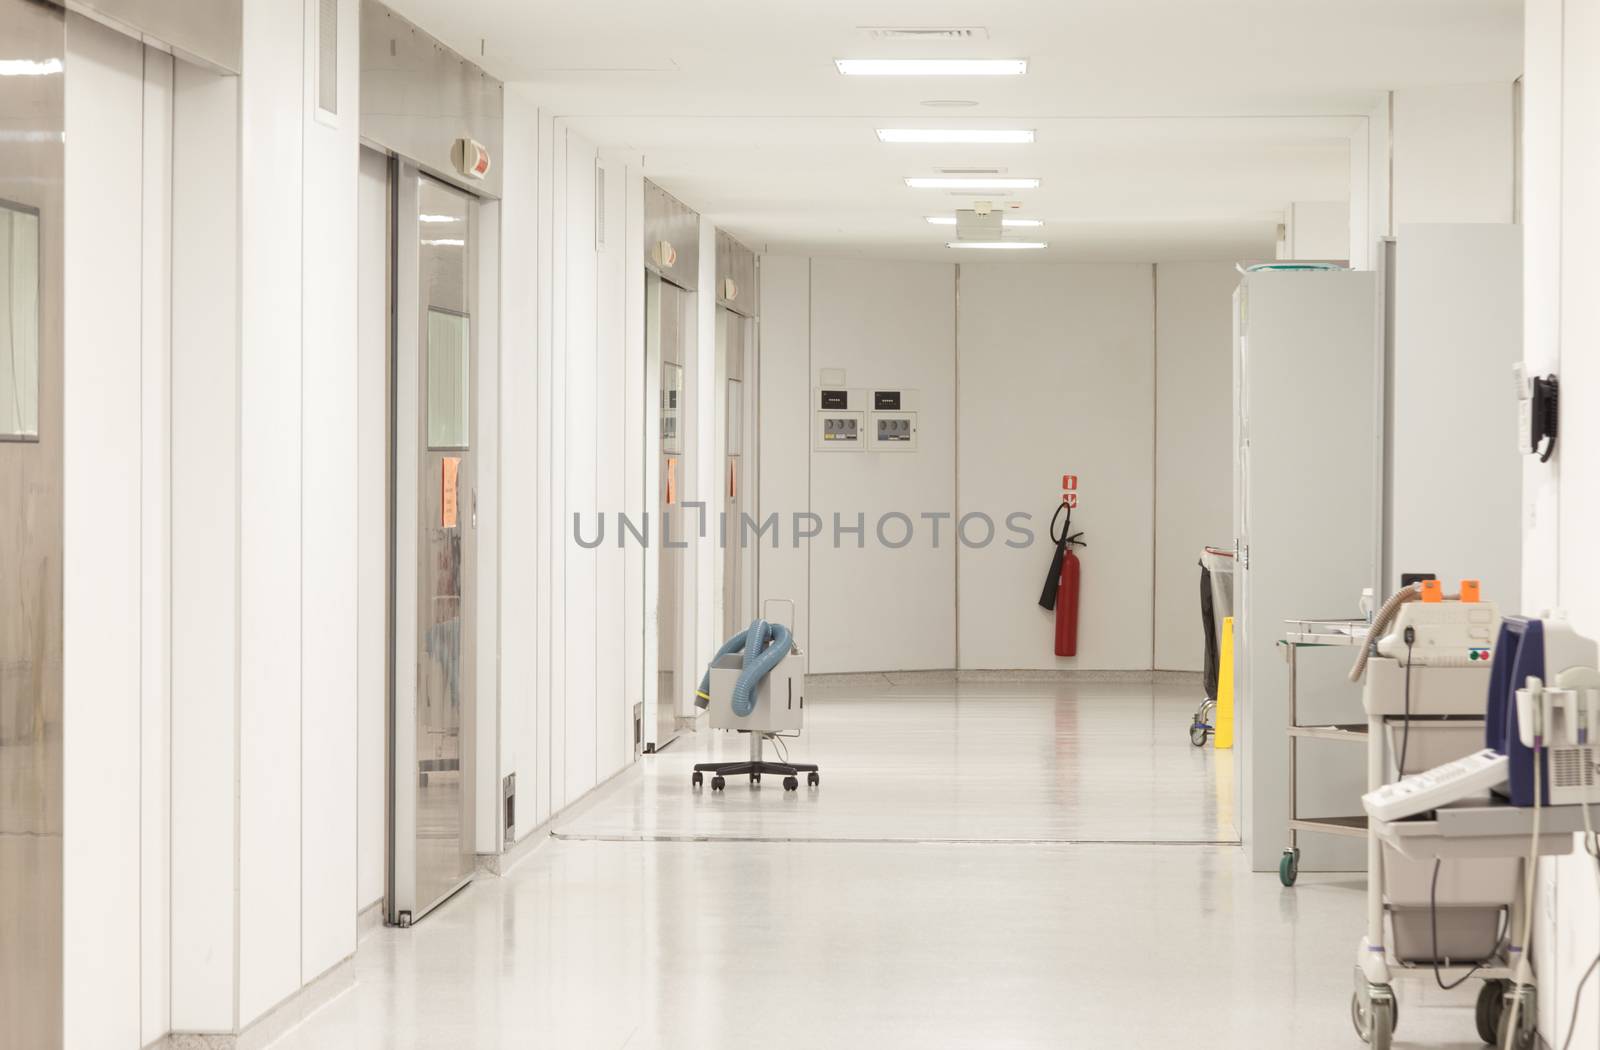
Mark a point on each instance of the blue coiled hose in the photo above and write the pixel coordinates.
(764, 645)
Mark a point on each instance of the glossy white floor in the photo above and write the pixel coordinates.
(994, 865)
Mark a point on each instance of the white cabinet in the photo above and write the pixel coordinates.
(1308, 397)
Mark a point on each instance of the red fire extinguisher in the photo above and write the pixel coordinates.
(1061, 584)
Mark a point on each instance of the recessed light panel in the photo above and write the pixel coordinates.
(984, 182)
(932, 67)
(958, 136)
(998, 245)
(950, 220)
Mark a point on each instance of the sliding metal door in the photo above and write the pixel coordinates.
(731, 333)
(30, 526)
(432, 849)
(666, 338)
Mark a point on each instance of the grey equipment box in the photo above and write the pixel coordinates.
(780, 698)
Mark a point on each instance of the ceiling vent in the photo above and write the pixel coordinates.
(925, 32)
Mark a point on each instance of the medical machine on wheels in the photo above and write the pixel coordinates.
(756, 684)
(1451, 851)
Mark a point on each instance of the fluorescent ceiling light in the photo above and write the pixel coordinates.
(446, 243)
(950, 220)
(975, 136)
(1003, 245)
(27, 67)
(932, 67)
(437, 218)
(987, 182)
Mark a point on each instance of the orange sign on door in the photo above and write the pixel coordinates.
(449, 477)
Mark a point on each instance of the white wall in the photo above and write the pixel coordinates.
(889, 326)
(205, 520)
(784, 480)
(272, 181)
(565, 722)
(1453, 154)
(271, 366)
(1057, 367)
(1561, 214)
(104, 551)
(1316, 230)
(329, 488)
(155, 866)
(1194, 446)
(1072, 348)
(372, 521)
(1455, 503)
(522, 434)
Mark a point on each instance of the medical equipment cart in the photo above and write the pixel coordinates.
(1315, 634)
(778, 712)
(1414, 915)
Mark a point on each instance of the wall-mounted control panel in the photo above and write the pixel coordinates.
(850, 419)
(840, 432)
(894, 432)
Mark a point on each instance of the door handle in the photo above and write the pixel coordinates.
(474, 506)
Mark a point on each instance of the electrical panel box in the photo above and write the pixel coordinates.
(840, 432)
(893, 432)
(864, 420)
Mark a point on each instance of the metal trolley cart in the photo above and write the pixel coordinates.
(1444, 891)
(1315, 634)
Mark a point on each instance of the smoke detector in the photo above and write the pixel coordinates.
(925, 32)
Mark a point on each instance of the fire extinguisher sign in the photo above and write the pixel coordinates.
(1069, 490)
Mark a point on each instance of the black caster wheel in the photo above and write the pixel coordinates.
(1198, 734)
(791, 783)
(812, 780)
(1526, 1037)
(1289, 867)
(698, 778)
(1490, 1007)
(755, 779)
(717, 783)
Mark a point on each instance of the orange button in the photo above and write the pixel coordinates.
(1470, 590)
(1431, 591)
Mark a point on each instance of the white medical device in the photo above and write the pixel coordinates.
(1444, 634)
(1564, 721)
(1469, 777)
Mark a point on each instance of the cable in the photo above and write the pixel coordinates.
(1380, 621)
(1405, 730)
(1433, 920)
(1521, 975)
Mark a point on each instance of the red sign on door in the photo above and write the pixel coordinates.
(449, 475)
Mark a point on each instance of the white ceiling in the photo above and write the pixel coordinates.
(1167, 129)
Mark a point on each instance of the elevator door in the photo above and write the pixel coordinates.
(731, 337)
(435, 376)
(668, 303)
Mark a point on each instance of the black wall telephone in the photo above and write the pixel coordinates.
(1538, 408)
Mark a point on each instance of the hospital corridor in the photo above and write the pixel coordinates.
(862, 524)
